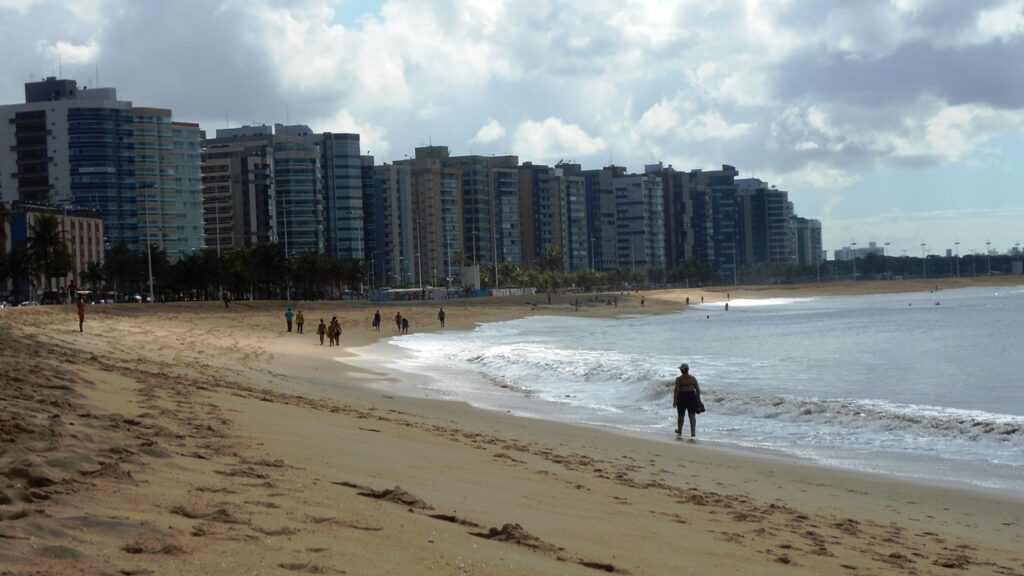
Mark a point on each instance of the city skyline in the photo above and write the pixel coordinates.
(895, 122)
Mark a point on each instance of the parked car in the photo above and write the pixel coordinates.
(29, 303)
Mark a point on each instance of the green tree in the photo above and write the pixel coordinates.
(93, 276)
(49, 254)
(17, 266)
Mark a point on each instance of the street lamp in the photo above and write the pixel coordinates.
(957, 244)
(854, 254)
(924, 260)
(988, 253)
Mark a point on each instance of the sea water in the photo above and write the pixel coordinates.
(924, 385)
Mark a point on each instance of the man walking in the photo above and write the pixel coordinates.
(440, 316)
(288, 315)
(686, 398)
(81, 312)
(300, 320)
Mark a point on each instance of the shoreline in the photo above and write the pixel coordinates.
(413, 384)
(186, 438)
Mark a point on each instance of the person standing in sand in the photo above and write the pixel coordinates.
(398, 321)
(300, 321)
(321, 331)
(440, 317)
(405, 326)
(288, 315)
(376, 320)
(81, 312)
(686, 398)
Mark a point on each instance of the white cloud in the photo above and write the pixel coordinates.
(489, 132)
(711, 126)
(999, 23)
(553, 138)
(661, 118)
(372, 139)
(20, 6)
(71, 53)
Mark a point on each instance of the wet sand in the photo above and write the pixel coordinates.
(191, 439)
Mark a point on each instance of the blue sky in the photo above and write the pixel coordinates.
(896, 121)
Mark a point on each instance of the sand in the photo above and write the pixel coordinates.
(193, 439)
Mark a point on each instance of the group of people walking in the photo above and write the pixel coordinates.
(332, 330)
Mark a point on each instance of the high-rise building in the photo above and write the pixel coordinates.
(438, 230)
(639, 222)
(808, 240)
(540, 210)
(574, 225)
(80, 148)
(490, 207)
(393, 255)
(601, 216)
(294, 209)
(169, 181)
(343, 193)
(238, 194)
(715, 219)
(765, 233)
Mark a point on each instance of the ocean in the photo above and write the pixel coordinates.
(917, 385)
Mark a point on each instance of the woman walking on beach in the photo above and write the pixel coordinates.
(686, 398)
(321, 330)
(81, 312)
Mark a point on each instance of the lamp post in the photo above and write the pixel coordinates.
(988, 254)
(853, 253)
(957, 244)
(149, 244)
(885, 259)
(924, 260)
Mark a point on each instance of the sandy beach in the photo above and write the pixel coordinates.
(186, 438)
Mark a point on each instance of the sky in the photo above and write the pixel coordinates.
(898, 121)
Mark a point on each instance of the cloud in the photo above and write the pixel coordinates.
(489, 132)
(711, 126)
(372, 139)
(554, 138)
(812, 93)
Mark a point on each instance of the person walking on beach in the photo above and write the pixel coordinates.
(440, 316)
(288, 315)
(641, 301)
(337, 330)
(398, 321)
(81, 312)
(376, 320)
(686, 398)
(321, 331)
(300, 321)
(405, 325)
(226, 297)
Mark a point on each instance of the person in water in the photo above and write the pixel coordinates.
(686, 398)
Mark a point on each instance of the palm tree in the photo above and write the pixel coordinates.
(17, 266)
(46, 247)
(93, 276)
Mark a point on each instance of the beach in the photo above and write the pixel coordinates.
(190, 438)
